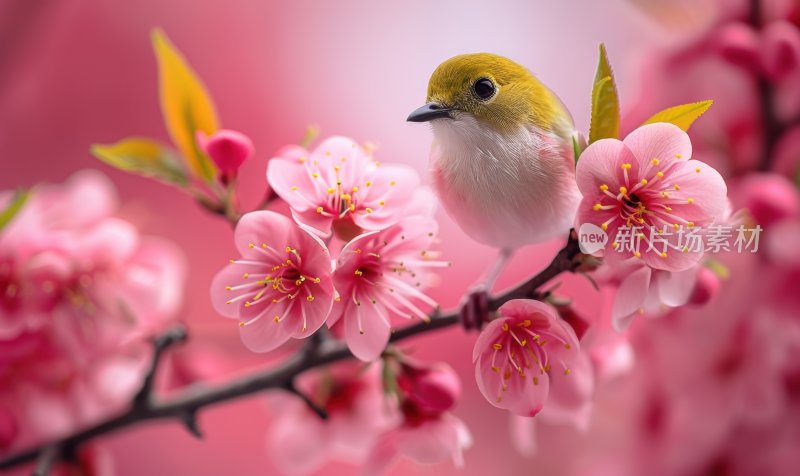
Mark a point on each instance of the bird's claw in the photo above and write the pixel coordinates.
(474, 310)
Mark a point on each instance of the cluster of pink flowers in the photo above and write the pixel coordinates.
(79, 289)
(286, 285)
(373, 417)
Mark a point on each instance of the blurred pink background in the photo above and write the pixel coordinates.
(76, 72)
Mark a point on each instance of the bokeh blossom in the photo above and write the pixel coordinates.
(79, 289)
(340, 184)
(381, 276)
(280, 288)
(518, 354)
(300, 442)
(429, 433)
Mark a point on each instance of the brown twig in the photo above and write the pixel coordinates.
(318, 353)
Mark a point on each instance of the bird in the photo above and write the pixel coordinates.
(502, 158)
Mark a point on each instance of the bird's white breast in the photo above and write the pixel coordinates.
(504, 189)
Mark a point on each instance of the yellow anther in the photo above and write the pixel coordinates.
(623, 190)
(675, 226)
(525, 323)
(497, 346)
(382, 203)
(597, 207)
(246, 275)
(604, 226)
(250, 245)
(669, 209)
(228, 288)
(655, 161)
(690, 224)
(276, 319)
(331, 190)
(495, 369)
(392, 183)
(302, 160)
(315, 175)
(359, 272)
(660, 174)
(566, 371)
(368, 210)
(505, 326)
(355, 189)
(690, 201)
(637, 254)
(247, 304)
(241, 323)
(644, 181)
(678, 156)
(697, 170)
(368, 183)
(615, 245)
(676, 187)
(603, 187)
(536, 380)
(294, 187)
(626, 166)
(309, 298)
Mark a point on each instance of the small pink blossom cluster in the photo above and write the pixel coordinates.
(374, 416)
(286, 283)
(79, 289)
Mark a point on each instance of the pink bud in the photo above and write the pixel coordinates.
(228, 149)
(706, 287)
(738, 43)
(770, 198)
(781, 47)
(433, 389)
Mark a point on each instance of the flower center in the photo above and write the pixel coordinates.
(520, 348)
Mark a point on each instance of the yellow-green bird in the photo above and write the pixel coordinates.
(502, 157)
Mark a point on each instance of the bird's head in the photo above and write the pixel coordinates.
(494, 90)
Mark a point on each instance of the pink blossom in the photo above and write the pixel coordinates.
(768, 197)
(280, 288)
(648, 180)
(228, 149)
(79, 289)
(706, 287)
(379, 275)
(781, 50)
(429, 433)
(299, 441)
(518, 354)
(341, 182)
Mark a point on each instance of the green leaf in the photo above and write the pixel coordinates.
(682, 116)
(17, 202)
(144, 157)
(605, 102)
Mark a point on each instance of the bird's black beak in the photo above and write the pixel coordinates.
(429, 112)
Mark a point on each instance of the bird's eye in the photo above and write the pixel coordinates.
(484, 88)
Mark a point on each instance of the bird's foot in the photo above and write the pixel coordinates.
(474, 311)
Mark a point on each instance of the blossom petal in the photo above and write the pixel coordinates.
(369, 340)
(601, 164)
(674, 289)
(261, 227)
(663, 141)
(630, 296)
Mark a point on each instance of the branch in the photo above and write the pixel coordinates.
(317, 353)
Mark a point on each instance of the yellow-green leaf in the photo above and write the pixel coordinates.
(143, 157)
(682, 116)
(185, 104)
(605, 102)
(13, 208)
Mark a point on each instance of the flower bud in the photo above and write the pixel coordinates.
(706, 287)
(576, 321)
(770, 198)
(433, 389)
(738, 44)
(228, 149)
(781, 50)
